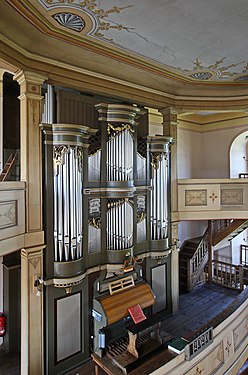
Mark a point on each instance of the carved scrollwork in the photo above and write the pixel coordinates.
(156, 158)
(95, 222)
(114, 129)
(59, 154)
(140, 216)
(115, 203)
(79, 156)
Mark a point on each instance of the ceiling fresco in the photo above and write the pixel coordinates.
(198, 39)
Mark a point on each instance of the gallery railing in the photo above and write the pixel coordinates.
(228, 275)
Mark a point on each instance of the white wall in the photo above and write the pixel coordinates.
(207, 154)
(189, 145)
(237, 153)
(191, 229)
(236, 242)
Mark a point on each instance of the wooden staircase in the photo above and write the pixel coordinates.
(229, 231)
(6, 172)
(193, 258)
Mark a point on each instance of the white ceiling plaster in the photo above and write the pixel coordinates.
(205, 37)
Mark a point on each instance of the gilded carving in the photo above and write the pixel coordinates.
(98, 22)
(76, 23)
(156, 158)
(59, 154)
(119, 128)
(95, 222)
(196, 197)
(140, 217)
(79, 157)
(214, 71)
(141, 208)
(95, 213)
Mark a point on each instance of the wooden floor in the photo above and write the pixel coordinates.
(9, 364)
(196, 309)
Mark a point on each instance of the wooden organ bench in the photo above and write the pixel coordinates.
(117, 337)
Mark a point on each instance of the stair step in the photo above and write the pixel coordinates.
(183, 273)
(182, 268)
(183, 279)
(186, 255)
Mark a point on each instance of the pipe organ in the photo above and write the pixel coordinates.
(106, 219)
(110, 190)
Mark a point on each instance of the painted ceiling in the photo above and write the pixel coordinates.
(203, 40)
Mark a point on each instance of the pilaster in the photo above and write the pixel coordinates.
(2, 71)
(30, 145)
(170, 130)
(31, 312)
(174, 268)
(32, 253)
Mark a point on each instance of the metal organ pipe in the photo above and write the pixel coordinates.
(48, 108)
(120, 156)
(67, 204)
(119, 225)
(159, 199)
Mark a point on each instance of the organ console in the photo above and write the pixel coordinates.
(116, 336)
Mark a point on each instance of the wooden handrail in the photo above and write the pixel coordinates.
(196, 264)
(222, 234)
(9, 165)
(228, 275)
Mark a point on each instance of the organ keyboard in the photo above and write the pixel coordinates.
(116, 336)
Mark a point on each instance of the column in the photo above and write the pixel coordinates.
(2, 71)
(31, 312)
(32, 253)
(1, 290)
(174, 268)
(30, 145)
(170, 130)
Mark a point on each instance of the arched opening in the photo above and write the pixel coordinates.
(239, 155)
